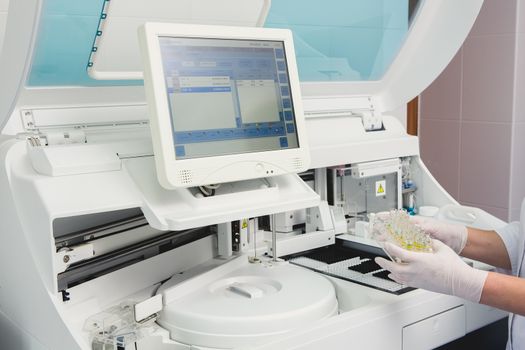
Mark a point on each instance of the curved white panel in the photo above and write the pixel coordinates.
(437, 33)
(15, 57)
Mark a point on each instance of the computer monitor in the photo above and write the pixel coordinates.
(224, 103)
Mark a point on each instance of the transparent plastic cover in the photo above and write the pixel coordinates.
(395, 227)
(335, 40)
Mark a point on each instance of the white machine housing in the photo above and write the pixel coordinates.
(46, 202)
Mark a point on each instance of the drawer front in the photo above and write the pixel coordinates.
(435, 330)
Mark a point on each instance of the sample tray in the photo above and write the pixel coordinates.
(350, 264)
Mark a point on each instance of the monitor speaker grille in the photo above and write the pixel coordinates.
(185, 176)
(297, 163)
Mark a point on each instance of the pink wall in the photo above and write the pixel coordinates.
(472, 126)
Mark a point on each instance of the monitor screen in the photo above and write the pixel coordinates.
(228, 96)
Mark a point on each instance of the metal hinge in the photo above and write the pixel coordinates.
(371, 120)
(54, 138)
(28, 120)
(38, 138)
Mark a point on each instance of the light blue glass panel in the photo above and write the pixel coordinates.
(343, 40)
(337, 40)
(65, 38)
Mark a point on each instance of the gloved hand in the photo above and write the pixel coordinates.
(442, 271)
(455, 236)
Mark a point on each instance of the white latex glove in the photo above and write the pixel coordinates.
(455, 236)
(442, 271)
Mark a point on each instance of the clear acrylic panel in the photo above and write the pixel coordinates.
(344, 40)
(335, 40)
(65, 39)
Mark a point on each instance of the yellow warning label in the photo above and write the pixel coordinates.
(380, 188)
(244, 223)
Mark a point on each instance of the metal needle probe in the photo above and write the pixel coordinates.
(274, 239)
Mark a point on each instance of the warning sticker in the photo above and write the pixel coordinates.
(244, 224)
(380, 188)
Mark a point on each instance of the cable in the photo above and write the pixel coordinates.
(213, 186)
(209, 190)
(204, 191)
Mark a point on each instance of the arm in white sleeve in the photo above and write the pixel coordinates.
(513, 240)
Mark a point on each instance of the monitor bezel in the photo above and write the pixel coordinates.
(221, 168)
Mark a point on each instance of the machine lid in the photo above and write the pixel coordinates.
(49, 45)
(248, 305)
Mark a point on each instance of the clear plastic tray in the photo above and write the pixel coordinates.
(395, 227)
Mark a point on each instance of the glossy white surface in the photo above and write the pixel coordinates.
(246, 306)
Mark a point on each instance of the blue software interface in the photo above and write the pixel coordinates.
(228, 96)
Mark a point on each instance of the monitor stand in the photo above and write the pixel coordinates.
(185, 208)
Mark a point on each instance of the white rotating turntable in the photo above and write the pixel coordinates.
(239, 304)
